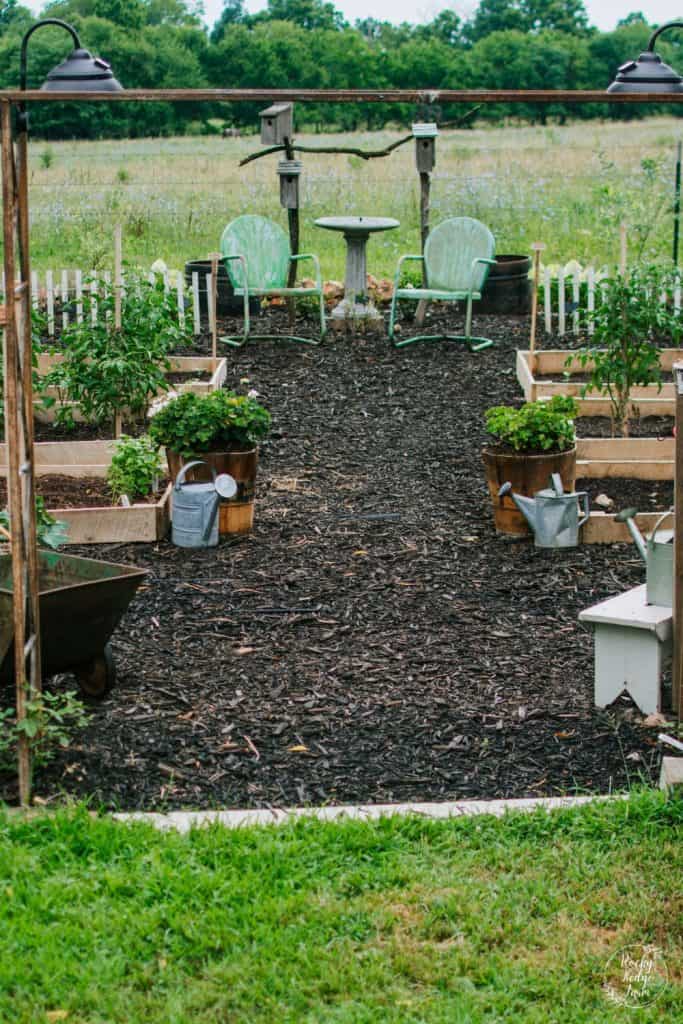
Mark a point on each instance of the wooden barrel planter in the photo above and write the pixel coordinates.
(227, 303)
(236, 515)
(508, 287)
(527, 474)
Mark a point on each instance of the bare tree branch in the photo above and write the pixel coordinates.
(364, 154)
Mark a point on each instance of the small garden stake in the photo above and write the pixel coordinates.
(623, 248)
(537, 248)
(214, 257)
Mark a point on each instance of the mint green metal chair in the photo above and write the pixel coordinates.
(257, 258)
(456, 260)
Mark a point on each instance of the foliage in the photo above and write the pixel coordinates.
(107, 371)
(402, 920)
(220, 421)
(51, 719)
(535, 426)
(135, 467)
(51, 532)
(628, 319)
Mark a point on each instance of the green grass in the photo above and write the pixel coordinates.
(408, 920)
(569, 187)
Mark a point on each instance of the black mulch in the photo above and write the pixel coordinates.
(373, 640)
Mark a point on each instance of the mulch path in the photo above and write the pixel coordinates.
(372, 640)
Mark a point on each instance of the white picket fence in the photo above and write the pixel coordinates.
(566, 317)
(58, 292)
(61, 294)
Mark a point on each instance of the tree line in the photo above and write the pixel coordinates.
(506, 44)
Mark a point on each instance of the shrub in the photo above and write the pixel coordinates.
(50, 720)
(540, 426)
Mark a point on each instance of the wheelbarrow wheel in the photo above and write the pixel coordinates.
(98, 676)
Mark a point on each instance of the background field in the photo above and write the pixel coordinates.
(569, 187)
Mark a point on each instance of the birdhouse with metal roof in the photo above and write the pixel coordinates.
(289, 172)
(425, 146)
(277, 124)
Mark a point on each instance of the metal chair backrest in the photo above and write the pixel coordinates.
(266, 248)
(449, 251)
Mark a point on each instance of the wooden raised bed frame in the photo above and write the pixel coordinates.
(105, 525)
(649, 400)
(218, 368)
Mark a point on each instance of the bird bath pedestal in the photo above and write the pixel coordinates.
(356, 307)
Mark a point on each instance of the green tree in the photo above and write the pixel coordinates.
(310, 14)
(528, 16)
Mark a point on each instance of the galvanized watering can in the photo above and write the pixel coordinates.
(552, 515)
(195, 508)
(657, 551)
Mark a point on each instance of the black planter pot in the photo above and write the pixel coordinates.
(227, 303)
(508, 287)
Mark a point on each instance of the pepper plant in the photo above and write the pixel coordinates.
(107, 371)
(135, 468)
(627, 322)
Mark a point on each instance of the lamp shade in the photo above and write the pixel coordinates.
(647, 74)
(81, 72)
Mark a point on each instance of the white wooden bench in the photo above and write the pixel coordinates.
(633, 640)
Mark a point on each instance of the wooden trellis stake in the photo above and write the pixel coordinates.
(118, 246)
(213, 308)
(623, 248)
(537, 248)
(19, 429)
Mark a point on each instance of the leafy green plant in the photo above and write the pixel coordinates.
(535, 426)
(135, 467)
(627, 321)
(51, 532)
(223, 420)
(107, 371)
(51, 719)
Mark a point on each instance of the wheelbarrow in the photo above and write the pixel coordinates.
(81, 604)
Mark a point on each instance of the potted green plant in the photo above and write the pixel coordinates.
(530, 443)
(626, 322)
(222, 429)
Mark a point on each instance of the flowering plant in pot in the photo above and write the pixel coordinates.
(530, 443)
(222, 429)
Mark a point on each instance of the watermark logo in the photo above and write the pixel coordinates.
(635, 976)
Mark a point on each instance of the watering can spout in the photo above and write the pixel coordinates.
(527, 506)
(627, 516)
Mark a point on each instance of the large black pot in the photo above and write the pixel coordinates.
(508, 287)
(227, 303)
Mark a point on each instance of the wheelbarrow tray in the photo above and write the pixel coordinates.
(81, 604)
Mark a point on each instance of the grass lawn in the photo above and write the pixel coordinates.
(568, 186)
(400, 920)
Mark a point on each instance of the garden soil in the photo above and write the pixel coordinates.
(372, 639)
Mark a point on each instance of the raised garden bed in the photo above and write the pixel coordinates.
(200, 374)
(81, 466)
(547, 363)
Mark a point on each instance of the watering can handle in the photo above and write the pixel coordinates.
(180, 479)
(586, 509)
(664, 515)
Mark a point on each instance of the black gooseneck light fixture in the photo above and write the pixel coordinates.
(649, 73)
(80, 72)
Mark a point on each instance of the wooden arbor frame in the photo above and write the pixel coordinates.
(18, 344)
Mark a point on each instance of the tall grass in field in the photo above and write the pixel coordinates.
(569, 187)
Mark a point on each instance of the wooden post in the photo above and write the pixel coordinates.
(623, 248)
(293, 222)
(677, 662)
(537, 248)
(118, 247)
(213, 299)
(425, 188)
(19, 432)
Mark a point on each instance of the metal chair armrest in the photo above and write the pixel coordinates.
(475, 261)
(402, 260)
(316, 263)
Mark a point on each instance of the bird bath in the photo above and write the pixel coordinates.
(356, 230)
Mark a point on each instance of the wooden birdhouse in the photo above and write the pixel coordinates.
(290, 172)
(425, 146)
(277, 124)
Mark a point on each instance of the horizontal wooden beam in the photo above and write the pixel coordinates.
(422, 96)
